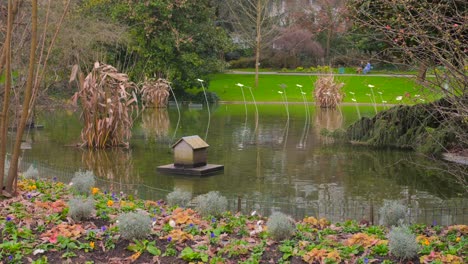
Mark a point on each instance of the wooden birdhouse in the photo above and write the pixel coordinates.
(190, 152)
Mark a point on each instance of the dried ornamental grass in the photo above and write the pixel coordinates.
(327, 92)
(107, 98)
(155, 93)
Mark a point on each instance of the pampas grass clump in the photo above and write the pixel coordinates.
(327, 92)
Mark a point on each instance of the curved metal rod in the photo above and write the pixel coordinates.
(207, 107)
(178, 112)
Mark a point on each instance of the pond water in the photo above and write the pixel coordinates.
(271, 163)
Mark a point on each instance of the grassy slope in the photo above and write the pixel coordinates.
(391, 87)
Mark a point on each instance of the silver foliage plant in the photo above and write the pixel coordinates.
(81, 208)
(31, 173)
(402, 243)
(211, 203)
(179, 197)
(280, 226)
(82, 182)
(134, 225)
(392, 213)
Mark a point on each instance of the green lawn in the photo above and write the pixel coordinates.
(385, 88)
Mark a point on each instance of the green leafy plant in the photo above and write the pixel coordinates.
(170, 250)
(211, 203)
(188, 254)
(402, 243)
(381, 250)
(179, 197)
(134, 225)
(280, 226)
(80, 208)
(82, 182)
(392, 213)
(236, 247)
(287, 248)
(144, 245)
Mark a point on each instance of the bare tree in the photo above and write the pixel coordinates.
(428, 33)
(33, 78)
(295, 41)
(254, 22)
(330, 19)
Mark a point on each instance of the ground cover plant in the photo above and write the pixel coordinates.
(389, 90)
(35, 228)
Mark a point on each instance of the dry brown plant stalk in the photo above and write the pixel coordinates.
(155, 93)
(327, 92)
(108, 99)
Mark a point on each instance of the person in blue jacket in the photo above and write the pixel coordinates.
(367, 68)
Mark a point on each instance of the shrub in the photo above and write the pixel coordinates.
(83, 182)
(280, 226)
(178, 197)
(80, 208)
(402, 243)
(242, 63)
(134, 225)
(31, 173)
(392, 213)
(211, 203)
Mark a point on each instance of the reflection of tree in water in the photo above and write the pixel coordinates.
(114, 165)
(329, 120)
(156, 124)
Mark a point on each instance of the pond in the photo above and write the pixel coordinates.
(280, 161)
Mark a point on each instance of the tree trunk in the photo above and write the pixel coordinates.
(327, 54)
(13, 172)
(422, 70)
(11, 15)
(258, 40)
(5, 58)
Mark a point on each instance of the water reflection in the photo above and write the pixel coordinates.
(328, 120)
(155, 124)
(278, 163)
(114, 164)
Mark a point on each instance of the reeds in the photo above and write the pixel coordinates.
(107, 99)
(155, 93)
(328, 93)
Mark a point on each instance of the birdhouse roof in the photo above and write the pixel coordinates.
(195, 142)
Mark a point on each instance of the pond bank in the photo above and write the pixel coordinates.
(422, 127)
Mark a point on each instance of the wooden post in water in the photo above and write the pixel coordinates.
(239, 204)
(371, 212)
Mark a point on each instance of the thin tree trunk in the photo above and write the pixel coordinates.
(13, 172)
(6, 55)
(422, 70)
(329, 35)
(258, 40)
(11, 16)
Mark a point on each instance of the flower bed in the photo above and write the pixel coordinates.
(36, 227)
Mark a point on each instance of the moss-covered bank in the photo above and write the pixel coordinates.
(431, 128)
